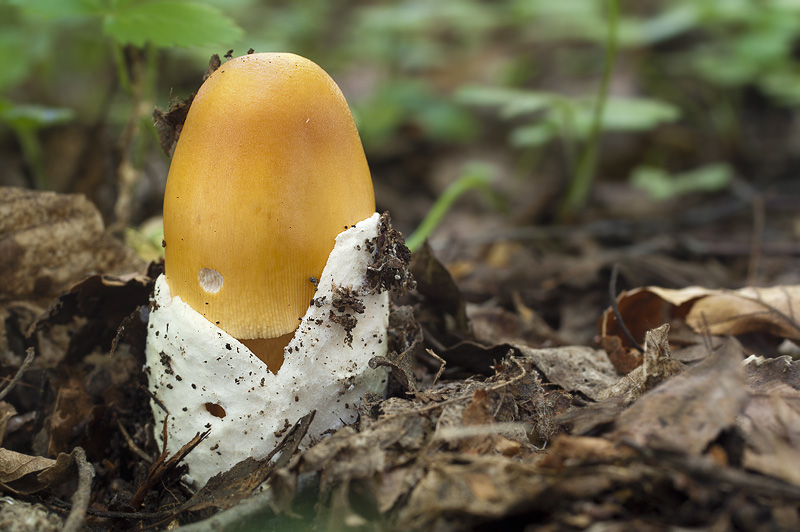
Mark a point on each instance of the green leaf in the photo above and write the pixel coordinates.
(533, 135)
(637, 114)
(175, 23)
(59, 8)
(673, 22)
(12, 57)
(512, 102)
(662, 186)
(31, 117)
(624, 114)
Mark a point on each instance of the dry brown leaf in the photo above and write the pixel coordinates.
(685, 413)
(571, 450)
(771, 419)
(574, 368)
(658, 366)
(476, 486)
(50, 240)
(226, 489)
(772, 425)
(73, 408)
(774, 310)
(24, 474)
(7, 411)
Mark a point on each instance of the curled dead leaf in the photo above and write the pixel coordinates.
(50, 240)
(773, 310)
(25, 474)
(685, 413)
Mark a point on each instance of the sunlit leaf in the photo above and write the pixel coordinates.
(512, 102)
(59, 8)
(34, 116)
(166, 24)
(635, 114)
(660, 185)
(533, 135)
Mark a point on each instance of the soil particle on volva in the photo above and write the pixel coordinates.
(391, 258)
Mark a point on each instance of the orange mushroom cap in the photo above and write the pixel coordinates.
(269, 168)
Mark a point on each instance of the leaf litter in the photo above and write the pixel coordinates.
(492, 419)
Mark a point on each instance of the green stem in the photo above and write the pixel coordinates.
(584, 175)
(28, 139)
(477, 177)
(122, 67)
(566, 131)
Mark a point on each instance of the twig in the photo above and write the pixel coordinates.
(441, 367)
(498, 386)
(161, 467)
(135, 448)
(105, 514)
(29, 355)
(612, 292)
(80, 501)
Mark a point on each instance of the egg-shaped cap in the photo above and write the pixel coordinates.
(269, 168)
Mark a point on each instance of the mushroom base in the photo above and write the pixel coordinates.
(207, 379)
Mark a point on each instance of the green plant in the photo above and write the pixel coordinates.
(746, 42)
(475, 176)
(26, 121)
(399, 102)
(576, 121)
(661, 185)
(134, 31)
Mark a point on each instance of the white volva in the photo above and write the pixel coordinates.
(199, 372)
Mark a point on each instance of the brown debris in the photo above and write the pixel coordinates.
(772, 311)
(49, 241)
(658, 365)
(436, 284)
(169, 123)
(689, 410)
(24, 474)
(389, 269)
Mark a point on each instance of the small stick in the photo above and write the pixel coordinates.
(29, 354)
(80, 501)
(441, 368)
(612, 292)
(135, 448)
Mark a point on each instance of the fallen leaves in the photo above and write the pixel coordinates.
(695, 311)
(461, 455)
(513, 434)
(25, 474)
(50, 240)
(686, 412)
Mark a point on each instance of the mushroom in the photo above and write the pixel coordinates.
(268, 170)
(272, 303)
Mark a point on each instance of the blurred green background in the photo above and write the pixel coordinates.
(699, 94)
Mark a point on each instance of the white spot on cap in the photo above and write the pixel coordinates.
(210, 280)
